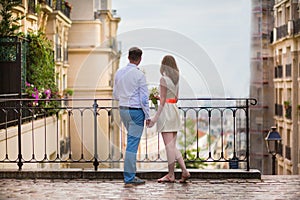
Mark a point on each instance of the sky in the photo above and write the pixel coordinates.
(210, 40)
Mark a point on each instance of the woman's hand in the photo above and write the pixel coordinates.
(151, 123)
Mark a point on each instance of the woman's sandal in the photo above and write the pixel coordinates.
(166, 179)
(184, 178)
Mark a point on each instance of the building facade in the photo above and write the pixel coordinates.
(285, 48)
(261, 83)
(275, 83)
(53, 19)
(83, 36)
(94, 57)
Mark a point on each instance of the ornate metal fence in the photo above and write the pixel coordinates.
(88, 133)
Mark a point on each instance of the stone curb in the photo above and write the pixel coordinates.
(118, 174)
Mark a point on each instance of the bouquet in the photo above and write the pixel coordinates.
(154, 96)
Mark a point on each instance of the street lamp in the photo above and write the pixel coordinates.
(272, 141)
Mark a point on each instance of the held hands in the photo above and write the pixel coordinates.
(150, 123)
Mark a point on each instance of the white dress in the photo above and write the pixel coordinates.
(169, 119)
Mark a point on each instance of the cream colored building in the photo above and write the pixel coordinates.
(52, 19)
(94, 57)
(285, 47)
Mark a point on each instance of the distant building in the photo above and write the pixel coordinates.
(285, 48)
(275, 83)
(261, 83)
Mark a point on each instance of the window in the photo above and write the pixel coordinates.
(279, 18)
(64, 81)
(287, 14)
(288, 135)
(259, 25)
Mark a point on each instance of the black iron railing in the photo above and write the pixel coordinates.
(288, 112)
(64, 7)
(31, 6)
(282, 31)
(297, 26)
(48, 2)
(88, 131)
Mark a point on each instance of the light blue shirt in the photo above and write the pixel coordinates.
(130, 88)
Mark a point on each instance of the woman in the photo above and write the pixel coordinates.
(167, 117)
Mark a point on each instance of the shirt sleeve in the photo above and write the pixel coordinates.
(144, 96)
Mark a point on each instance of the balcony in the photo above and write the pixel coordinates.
(94, 135)
(288, 112)
(47, 2)
(64, 7)
(297, 26)
(282, 31)
(31, 6)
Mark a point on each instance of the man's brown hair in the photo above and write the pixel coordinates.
(135, 54)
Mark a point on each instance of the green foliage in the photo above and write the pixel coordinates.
(9, 23)
(190, 135)
(191, 154)
(40, 61)
(40, 70)
(192, 161)
(287, 103)
(68, 92)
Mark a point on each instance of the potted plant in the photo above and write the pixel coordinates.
(68, 92)
(286, 104)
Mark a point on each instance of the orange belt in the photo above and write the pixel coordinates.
(171, 100)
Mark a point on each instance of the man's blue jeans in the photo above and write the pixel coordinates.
(133, 120)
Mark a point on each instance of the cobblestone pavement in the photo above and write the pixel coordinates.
(269, 187)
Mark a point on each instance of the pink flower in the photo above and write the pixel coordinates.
(35, 95)
(48, 93)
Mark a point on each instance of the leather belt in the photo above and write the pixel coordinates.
(129, 108)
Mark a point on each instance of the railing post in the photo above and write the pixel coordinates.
(20, 134)
(247, 135)
(96, 162)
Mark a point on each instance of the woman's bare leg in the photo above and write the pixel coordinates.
(169, 142)
(179, 159)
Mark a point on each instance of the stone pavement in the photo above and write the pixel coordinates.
(268, 188)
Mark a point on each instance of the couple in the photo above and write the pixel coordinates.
(130, 89)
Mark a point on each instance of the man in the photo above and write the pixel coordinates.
(130, 89)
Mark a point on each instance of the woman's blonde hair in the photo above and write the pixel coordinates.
(169, 68)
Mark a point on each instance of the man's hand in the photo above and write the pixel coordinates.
(151, 123)
(148, 122)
